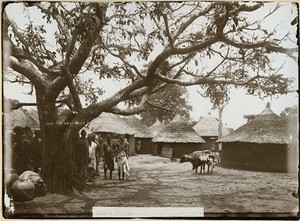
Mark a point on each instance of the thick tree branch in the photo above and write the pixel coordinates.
(28, 71)
(24, 54)
(131, 110)
(19, 81)
(17, 105)
(83, 52)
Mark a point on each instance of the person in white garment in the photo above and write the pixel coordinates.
(92, 158)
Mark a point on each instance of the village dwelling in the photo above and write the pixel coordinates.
(21, 118)
(265, 143)
(208, 129)
(143, 143)
(177, 138)
(156, 127)
(112, 125)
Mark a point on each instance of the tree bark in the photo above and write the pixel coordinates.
(58, 166)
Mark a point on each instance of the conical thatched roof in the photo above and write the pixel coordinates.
(109, 123)
(156, 127)
(178, 131)
(266, 127)
(137, 125)
(208, 126)
(34, 114)
(21, 118)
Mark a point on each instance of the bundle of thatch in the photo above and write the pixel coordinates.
(178, 131)
(109, 123)
(137, 125)
(156, 127)
(266, 127)
(208, 126)
(21, 118)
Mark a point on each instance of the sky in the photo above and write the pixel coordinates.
(240, 103)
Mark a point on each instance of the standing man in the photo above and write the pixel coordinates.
(99, 141)
(37, 151)
(92, 158)
(27, 150)
(108, 157)
(18, 157)
(83, 155)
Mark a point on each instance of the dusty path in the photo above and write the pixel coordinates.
(158, 182)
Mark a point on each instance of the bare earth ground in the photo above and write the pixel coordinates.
(158, 182)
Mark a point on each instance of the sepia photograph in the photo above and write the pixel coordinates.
(150, 109)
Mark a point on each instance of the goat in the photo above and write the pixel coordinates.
(192, 158)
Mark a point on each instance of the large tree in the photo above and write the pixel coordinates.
(210, 44)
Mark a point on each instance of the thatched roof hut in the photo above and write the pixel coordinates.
(19, 117)
(178, 131)
(208, 129)
(137, 125)
(177, 138)
(262, 144)
(208, 126)
(143, 135)
(266, 127)
(109, 123)
(156, 127)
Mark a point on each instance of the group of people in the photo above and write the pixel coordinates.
(27, 151)
(94, 149)
(27, 154)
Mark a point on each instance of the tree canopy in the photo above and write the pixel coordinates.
(208, 44)
(166, 104)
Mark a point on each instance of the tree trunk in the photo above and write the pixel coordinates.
(59, 166)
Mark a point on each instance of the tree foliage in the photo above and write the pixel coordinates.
(166, 104)
(290, 113)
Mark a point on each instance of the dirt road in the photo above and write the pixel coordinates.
(159, 182)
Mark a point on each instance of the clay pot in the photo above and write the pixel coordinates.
(23, 191)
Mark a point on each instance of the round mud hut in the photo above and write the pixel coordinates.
(143, 136)
(208, 129)
(262, 144)
(177, 138)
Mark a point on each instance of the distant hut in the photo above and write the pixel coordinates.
(178, 138)
(208, 129)
(108, 123)
(34, 114)
(19, 117)
(143, 135)
(156, 127)
(262, 144)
